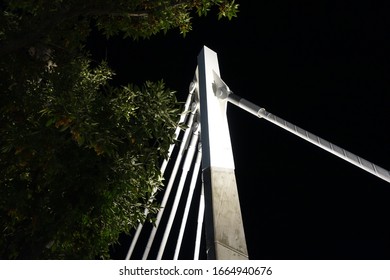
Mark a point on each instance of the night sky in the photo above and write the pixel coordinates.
(324, 67)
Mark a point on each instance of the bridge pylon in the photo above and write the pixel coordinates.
(225, 237)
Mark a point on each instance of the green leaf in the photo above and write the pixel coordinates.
(50, 122)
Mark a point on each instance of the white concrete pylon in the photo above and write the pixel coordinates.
(225, 236)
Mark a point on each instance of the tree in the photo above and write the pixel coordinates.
(78, 157)
(79, 162)
(63, 25)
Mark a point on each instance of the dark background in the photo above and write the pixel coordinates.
(321, 66)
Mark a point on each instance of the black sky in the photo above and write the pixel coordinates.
(322, 66)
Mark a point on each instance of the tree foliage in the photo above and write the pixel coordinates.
(64, 24)
(79, 161)
(78, 157)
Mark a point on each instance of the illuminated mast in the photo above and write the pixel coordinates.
(225, 236)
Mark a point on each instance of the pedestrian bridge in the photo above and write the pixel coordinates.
(200, 208)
